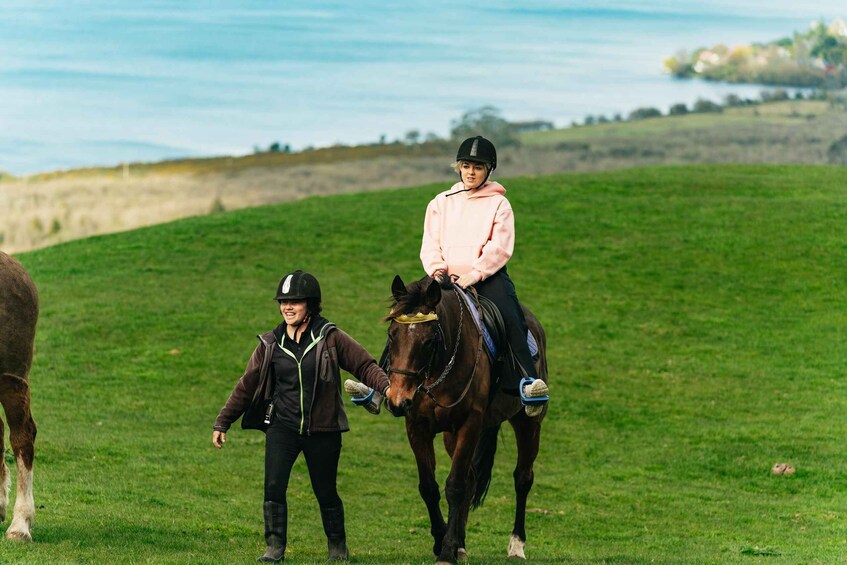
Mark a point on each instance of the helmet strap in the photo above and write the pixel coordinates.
(301, 326)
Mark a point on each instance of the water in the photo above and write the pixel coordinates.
(100, 82)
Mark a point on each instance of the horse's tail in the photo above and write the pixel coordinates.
(483, 463)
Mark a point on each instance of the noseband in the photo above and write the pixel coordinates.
(421, 374)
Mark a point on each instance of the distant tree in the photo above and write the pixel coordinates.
(589, 120)
(643, 113)
(732, 101)
(678, 109)
(602, 119)
(413, 136)
(488, 123)
(831, 51)
(274, 147)
(617, 118)
(706, 106)
(432, 137)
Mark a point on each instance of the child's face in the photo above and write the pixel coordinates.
(472, 174)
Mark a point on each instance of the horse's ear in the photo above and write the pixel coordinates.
(398, 288)
(433, 294)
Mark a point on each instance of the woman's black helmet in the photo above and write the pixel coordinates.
(298, 286)
(478, 150)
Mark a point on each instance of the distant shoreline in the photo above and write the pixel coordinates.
(816, 58)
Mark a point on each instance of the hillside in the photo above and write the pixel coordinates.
(63, 206)
(695, 332)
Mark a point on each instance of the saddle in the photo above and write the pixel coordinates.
(493, 328)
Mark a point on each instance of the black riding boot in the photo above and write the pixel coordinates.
(276, 532)
(336, 537)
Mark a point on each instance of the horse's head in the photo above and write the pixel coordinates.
(414, 337)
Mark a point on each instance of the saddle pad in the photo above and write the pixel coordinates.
(490, 345)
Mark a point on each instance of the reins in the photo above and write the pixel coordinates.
(422, 372)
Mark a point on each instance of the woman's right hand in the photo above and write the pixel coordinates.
(218, 439)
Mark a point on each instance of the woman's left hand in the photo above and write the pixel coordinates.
(467, 280)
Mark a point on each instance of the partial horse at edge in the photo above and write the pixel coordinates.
(18, 318)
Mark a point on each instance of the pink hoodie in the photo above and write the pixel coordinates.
(468, 232)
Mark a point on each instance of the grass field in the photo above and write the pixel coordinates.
(695, 319)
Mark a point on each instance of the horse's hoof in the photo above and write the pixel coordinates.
(461, 555)
(516, 548)
(18, 535)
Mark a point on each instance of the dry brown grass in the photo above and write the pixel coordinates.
(48, 209)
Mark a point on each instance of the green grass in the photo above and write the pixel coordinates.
(695, 320)
(783, 113)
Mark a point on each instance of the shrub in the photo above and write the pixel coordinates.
(644, 113)
(774, 95)
(678, 110)
(705, 106)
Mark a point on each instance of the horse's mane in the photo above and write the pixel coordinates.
(415, 295)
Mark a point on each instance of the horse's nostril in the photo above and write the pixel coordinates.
(406, 404)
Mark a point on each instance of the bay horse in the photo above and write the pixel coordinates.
(441, 381)
(18, 316)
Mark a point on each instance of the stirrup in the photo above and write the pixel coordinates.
(532, 400)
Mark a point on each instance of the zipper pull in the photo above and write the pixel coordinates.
(269, 414)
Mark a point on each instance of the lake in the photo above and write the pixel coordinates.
(102, 82)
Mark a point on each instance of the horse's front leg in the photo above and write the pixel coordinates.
(450, 446)
(421, 441)
(456, 490)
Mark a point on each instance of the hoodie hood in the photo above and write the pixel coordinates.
(490, 188)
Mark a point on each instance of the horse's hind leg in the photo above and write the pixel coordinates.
(14, 395)
(527, 435)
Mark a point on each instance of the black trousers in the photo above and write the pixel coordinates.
(499, 289)
(321, 451)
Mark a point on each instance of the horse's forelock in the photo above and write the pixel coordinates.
(415, 296)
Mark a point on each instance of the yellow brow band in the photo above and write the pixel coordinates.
(416, 319)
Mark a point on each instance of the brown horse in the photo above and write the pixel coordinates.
(18, 315)
(441, 381)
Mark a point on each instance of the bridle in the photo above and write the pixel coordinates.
(421, 374)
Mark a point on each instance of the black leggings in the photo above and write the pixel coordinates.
(499, 289)
(321, 451)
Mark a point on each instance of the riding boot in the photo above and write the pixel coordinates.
(276, 532)
(336, 537)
